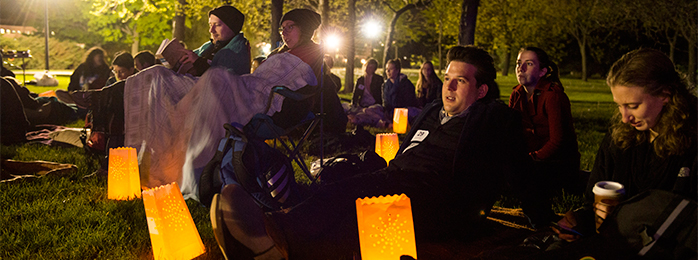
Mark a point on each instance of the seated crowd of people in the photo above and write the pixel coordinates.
(465, 149)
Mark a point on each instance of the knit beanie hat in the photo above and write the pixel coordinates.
(307, 20)
(231, 16)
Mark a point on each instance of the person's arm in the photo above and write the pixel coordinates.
(410, 95)
(358, 93)
(557, 107)
(75, 78)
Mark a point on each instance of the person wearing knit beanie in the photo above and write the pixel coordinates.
(307, 20)
(230, 16)
(228, 46)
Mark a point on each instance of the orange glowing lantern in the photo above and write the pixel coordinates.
(387, 146)
(400, 120)
(123, 181)
(173, 234)
(386, 230)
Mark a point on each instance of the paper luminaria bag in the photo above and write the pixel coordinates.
(386, 229)
(123, 181)
(400, 120)
(173, 234)
(387, 146)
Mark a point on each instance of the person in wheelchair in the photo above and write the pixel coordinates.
(459, 156)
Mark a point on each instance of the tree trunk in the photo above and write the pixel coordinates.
(277, 7)
(441, 33)
(507, 60)
(468, 16)
(178, 26)
(391, 29)
(672, 44)
(136, 41)
(351, 27)
(325, 16)
(692, 77)
(583, 51)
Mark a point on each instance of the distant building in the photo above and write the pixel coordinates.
(15, 30)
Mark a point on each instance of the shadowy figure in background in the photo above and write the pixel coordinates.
(368, 89)
(92, 73)
(332, 82)
(256, 62)
(143, 60)
(398, 90)
(428, 84)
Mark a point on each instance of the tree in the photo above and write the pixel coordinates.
(581, 19)
(126, 20)
(351, 24)
(440, 14)
(468, 17)
(396, 15)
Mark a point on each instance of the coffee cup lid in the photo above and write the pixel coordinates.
(608, 188)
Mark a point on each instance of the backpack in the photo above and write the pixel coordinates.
(264, 172)
(655, 224)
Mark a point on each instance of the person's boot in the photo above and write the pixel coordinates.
(235, 212)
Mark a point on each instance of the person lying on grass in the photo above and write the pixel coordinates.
(458, 158)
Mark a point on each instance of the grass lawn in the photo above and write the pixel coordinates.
(69, 217)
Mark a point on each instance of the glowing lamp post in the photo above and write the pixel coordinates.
(123, 181)
(372, 30)
(386, 229)
(332, 42)
(387, 145)
(173, 234)
(400, 120)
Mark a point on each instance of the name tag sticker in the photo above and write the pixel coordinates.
(361, 87)
(420, 136)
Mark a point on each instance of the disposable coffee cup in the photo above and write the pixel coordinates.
(607, 194)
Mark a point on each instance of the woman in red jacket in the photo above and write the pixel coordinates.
(547, 119)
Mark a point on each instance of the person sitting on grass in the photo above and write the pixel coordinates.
(454, 164)
(332, 81)
(228, 46)
(143, 60)
(123, 67)
(368, 90)
(398, 90)
(92, 73)
(428, 84)
(650, 145)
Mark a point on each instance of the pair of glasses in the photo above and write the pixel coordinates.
(287, 29)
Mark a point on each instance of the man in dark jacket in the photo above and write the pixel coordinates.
(456, 161)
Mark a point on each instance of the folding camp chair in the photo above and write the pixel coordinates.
(294, 114)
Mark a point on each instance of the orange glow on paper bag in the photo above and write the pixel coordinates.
(400, 120)
(387, 146)
(386, 230)
(123, 181)
(173, 234)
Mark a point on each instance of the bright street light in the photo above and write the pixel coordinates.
(332, 42)
(372, 29)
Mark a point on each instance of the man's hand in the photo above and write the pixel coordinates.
(189, 57)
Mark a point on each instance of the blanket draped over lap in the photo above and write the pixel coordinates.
(176, 121)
